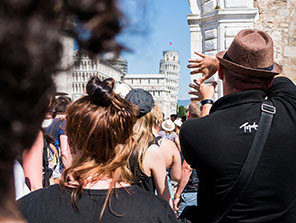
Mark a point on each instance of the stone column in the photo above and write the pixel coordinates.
(214, 23)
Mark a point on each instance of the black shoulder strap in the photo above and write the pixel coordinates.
(154, 141)
(249, 167)
(158, 138)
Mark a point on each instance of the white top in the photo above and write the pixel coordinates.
(21, 188)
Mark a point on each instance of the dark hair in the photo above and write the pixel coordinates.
(31, 35)
(97, 23)
(61, 104)
(173, 116)
(100, 92)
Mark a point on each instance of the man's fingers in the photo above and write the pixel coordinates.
(197, 71)
(194, 61)
(196, 87)
(194, 93)
(197, 82)
(200, 54)
(194, 65)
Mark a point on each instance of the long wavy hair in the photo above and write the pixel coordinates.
(100, 131)
(144, 136)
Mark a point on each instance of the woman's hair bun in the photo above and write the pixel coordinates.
(101, 92)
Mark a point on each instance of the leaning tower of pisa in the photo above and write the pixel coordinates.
(170, 67)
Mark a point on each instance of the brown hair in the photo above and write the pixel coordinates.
(100, 128)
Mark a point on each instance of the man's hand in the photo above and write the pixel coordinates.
(203, 91)
(208, 65)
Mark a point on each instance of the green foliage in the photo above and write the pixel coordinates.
(181, 111)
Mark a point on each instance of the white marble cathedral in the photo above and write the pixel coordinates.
(73, 81)
(214, 23)
(164, 85)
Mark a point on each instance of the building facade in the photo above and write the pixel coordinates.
(163, 86)
(214, 23)
(278, 18)
(85, 68)
(120, 64)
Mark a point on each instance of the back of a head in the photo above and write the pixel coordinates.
(100, 132)
(100, 121)
(144, 102)
(249, 61)
(61, 104)
(194, 109)
(173, 117)
(143, 127)
(240, 83)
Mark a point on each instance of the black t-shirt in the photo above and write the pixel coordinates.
(132, 204)
(217, 145)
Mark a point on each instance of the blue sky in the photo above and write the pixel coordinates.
(154, 24)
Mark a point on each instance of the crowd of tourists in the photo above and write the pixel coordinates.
(112, 156)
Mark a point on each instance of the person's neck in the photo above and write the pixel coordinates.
(102, 184)
(155, 131)
(227, 89)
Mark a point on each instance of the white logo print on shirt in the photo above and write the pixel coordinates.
(248, 127)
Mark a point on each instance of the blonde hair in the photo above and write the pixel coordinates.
(100, 128)
(143, 134)
(157, 115)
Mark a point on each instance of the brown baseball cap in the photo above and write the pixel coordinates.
(250, 54)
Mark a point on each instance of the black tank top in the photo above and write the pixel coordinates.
(147, 182)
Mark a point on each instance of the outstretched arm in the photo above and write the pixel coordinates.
(207, 65)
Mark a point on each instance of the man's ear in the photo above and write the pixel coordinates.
(221, 72)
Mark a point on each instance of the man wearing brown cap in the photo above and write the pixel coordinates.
(235, 185)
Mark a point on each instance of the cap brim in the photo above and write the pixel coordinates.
(247, 71)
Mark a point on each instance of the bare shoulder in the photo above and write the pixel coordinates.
(153, 157)
(154, 154)
(153, 150)
(168, 145)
